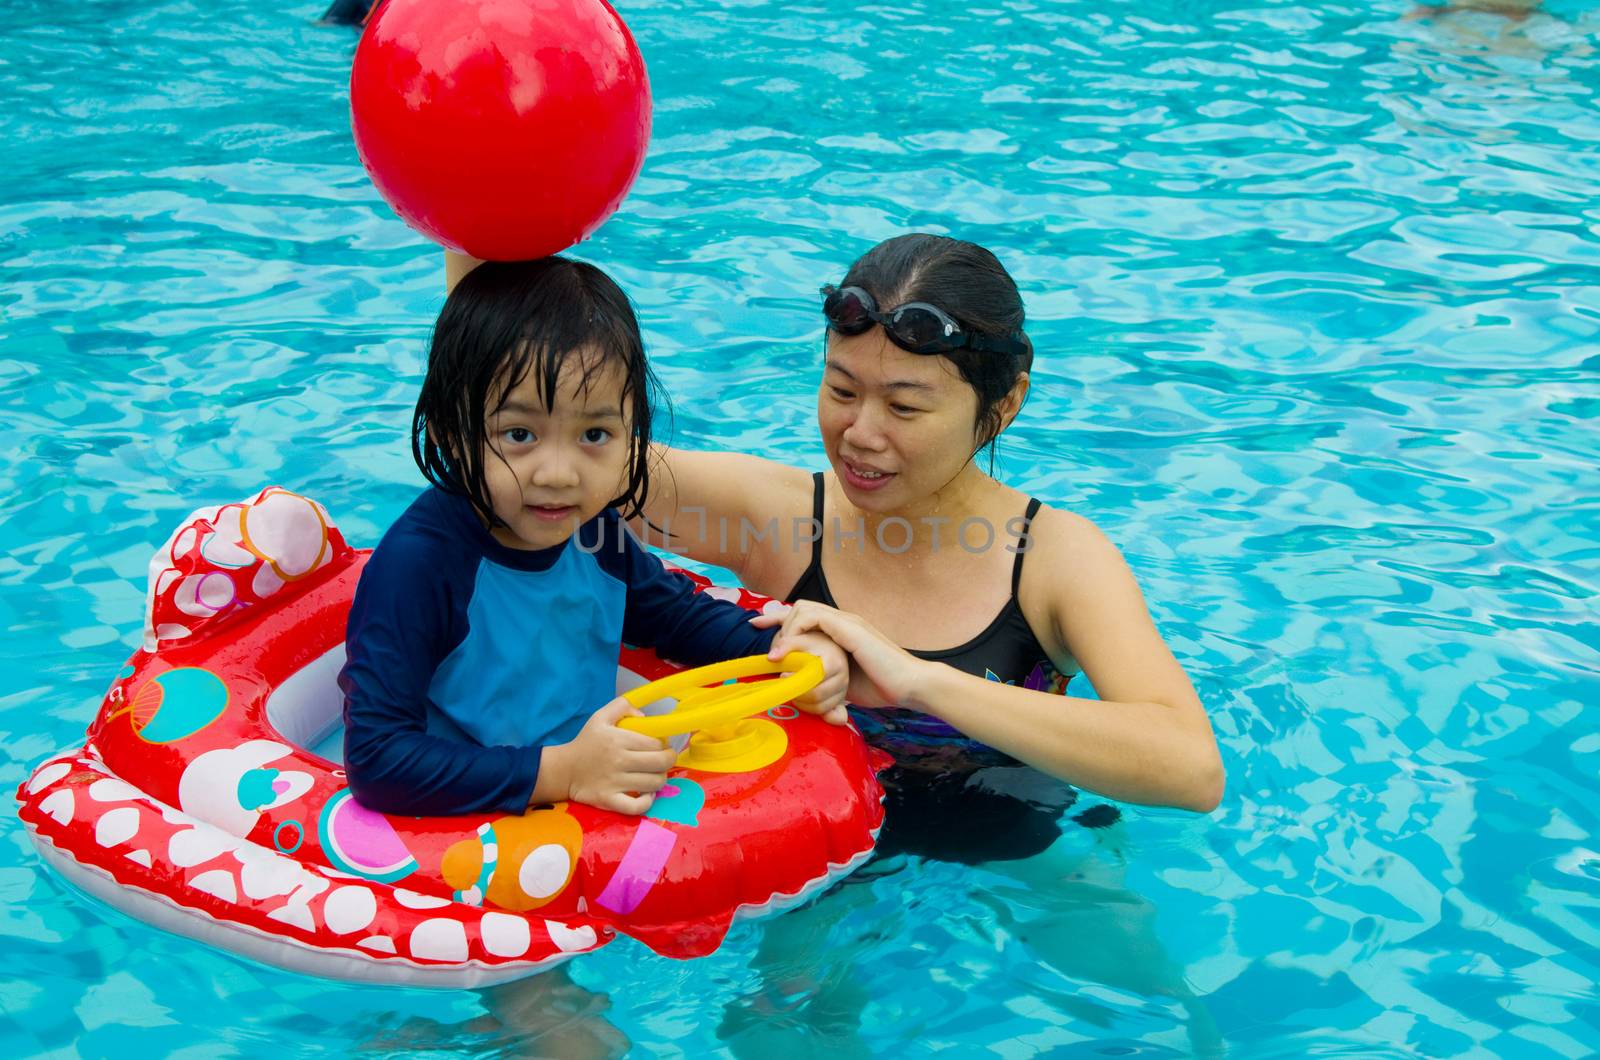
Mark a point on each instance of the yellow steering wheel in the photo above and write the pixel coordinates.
(712, 710)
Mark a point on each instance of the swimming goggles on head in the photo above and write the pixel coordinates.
(916, 327)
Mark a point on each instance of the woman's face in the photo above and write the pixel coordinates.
(898, 426)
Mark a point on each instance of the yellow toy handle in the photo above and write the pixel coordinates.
(709, 708)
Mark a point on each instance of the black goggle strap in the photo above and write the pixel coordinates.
(991, 344)
(956, 339)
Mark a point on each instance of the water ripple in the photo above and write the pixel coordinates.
(1316, 294)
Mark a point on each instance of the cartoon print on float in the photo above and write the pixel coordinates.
(233, 786)
(174, 705)
(517, 863)
(220, 563)
(227, 559)
(362, 842)
(679, 802)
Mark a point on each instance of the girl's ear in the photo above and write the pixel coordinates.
(445, 448)
(433, 440)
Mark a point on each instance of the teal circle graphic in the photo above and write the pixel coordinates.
(299, 836)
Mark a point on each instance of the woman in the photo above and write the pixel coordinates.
(965, 605)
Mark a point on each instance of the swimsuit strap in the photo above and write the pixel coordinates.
(1024, 545)
(812, 583)
(816, 514)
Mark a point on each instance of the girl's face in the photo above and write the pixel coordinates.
(898, 426)
(551, 470)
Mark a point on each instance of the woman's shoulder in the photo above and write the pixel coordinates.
(1061, 525)
(1069, 551)
(1070, 569)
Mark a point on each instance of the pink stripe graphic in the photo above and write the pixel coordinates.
(640, 868)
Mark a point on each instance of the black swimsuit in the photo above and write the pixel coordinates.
(1006, 650)
(949, 796)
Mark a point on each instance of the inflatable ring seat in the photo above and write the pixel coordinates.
(200, 803)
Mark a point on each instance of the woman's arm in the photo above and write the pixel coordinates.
(727, 509)
(1139, 751)
(1146, 741)
(455, 267)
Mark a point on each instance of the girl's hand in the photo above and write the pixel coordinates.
(882, 674)
(827, 699)
(614, 768)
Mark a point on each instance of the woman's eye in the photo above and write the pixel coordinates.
(518, 435)
(596, 436)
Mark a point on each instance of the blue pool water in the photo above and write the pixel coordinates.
(1317, 295)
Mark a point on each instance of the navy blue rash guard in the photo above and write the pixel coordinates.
(466, 657)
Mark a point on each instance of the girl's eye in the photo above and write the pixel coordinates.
(596, 436)
(841, 393)
(518, 435)
(903, 410)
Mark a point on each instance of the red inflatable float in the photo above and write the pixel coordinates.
(504, 129)
(199, 804)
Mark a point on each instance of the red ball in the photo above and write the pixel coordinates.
(504, 129)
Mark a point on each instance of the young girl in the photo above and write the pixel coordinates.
(483, 636)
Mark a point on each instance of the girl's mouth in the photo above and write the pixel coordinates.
(552, 513)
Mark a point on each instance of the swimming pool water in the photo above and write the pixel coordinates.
(1316, 291)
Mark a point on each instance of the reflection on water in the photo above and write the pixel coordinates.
(1065, 920)
(545, 1016)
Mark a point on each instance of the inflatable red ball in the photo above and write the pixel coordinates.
(505, 129)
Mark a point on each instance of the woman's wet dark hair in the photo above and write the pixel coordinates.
(970, 284)
(508, 320)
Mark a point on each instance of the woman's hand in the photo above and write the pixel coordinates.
(828, 698)
(455, 267)
(608, 766)
(882, 674)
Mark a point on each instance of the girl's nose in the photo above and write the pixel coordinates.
(558, 469)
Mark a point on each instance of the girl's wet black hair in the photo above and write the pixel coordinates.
(504, 322)
(970, 284)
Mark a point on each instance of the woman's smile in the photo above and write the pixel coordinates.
(863, 476)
